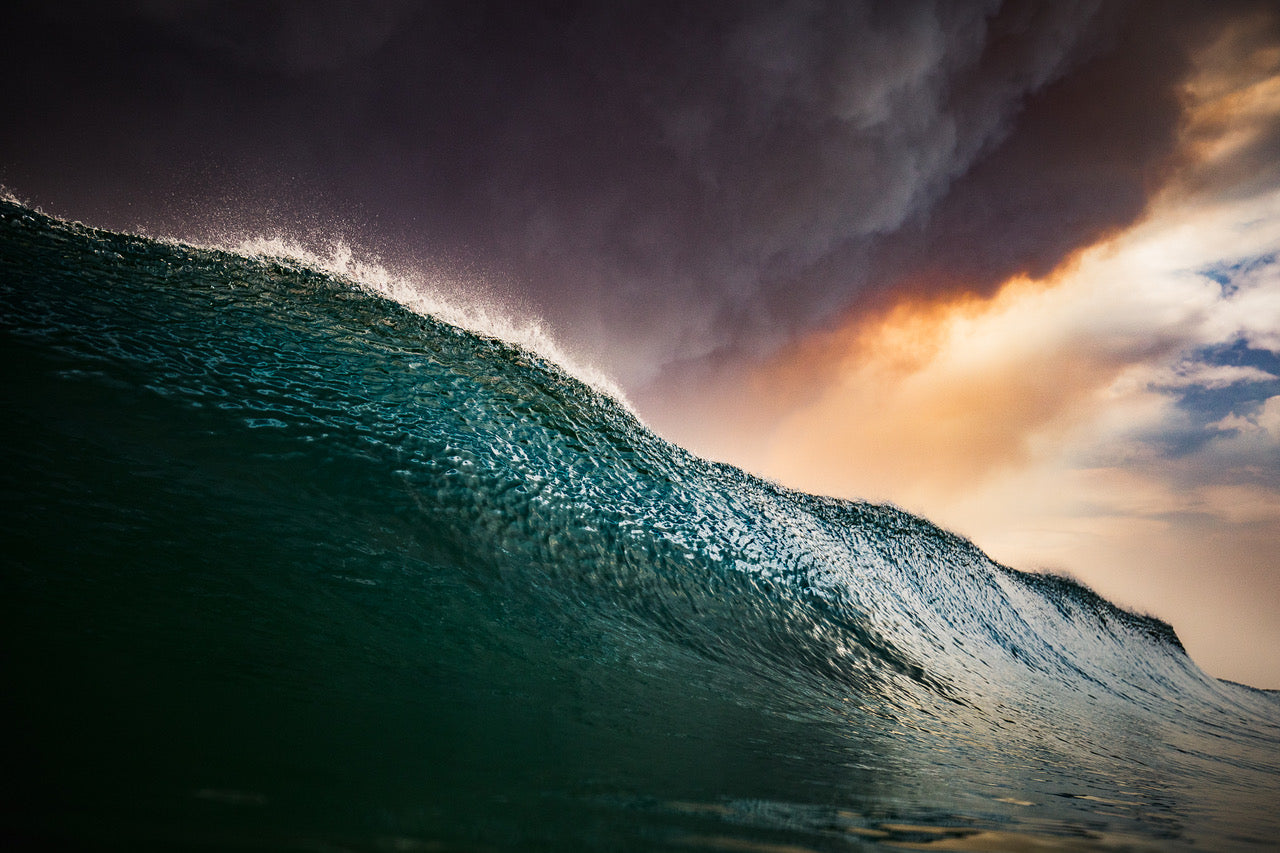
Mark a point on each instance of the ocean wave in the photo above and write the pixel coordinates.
(262, 469)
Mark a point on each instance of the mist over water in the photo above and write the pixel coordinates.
(296, 562)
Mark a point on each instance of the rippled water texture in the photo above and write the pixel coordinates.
(289, 566)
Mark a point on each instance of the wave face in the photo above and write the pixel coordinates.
(290, 566)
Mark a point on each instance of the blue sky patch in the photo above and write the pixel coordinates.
(1206, 404)
(1227, 274)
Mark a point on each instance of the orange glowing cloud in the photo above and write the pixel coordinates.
(934, 397)
(926, 397)
(1233, 111)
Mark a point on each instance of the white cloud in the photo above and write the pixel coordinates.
(1192, 374)
(1254, 308)
(1265, 421)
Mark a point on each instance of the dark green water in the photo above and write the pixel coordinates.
(291, 567)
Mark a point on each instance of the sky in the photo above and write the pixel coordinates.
(1013, 266)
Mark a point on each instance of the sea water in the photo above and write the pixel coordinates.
(288, 565)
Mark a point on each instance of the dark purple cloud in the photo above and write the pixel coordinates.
(669, 184)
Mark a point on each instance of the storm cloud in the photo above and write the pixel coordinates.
(667, 184)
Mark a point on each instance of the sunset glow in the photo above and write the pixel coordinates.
(1099, 421)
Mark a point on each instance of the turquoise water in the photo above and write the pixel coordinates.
(292, 567)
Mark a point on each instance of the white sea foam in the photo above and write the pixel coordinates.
(451, 301)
